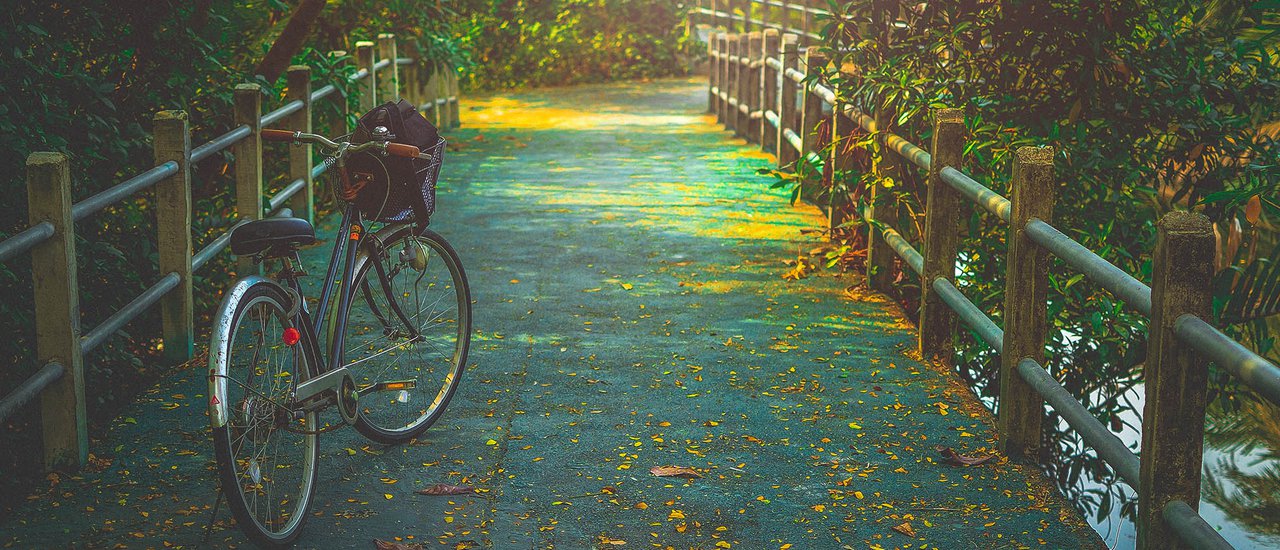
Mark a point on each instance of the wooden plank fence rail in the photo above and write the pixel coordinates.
(59, 382)
(1182, 343)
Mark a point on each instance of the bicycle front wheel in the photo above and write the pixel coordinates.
(266, 451)
(407, 334)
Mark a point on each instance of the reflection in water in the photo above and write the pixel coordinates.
(1242, 474)
(1240, 491)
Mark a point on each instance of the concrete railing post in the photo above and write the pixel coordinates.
(431, 108)
(754, 66)
(811, 104)
(368, 90)
(172, 143)
(1026, 290)
(57, 312)
(883, 205)
(743, 89)
(843, 135)
(344, 108)
(735, 70)
(768, 90)
(943, 226)
(389, 80)
(787, 100)
(722, 104)
(1175, 377)
(298, 80)
(455, 102)
(713, 73)
(248, 164)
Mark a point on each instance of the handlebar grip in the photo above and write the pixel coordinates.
(269, 134)
(402, 150)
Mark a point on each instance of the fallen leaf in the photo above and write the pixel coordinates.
(384, 545)
(953, 458)
(905, 529)
(446, 489)
(675, 471)
(612, 542)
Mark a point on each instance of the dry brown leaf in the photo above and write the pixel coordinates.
(675, 471)
(386, 545)
(949, 456)
(905, 529)
(446, 489)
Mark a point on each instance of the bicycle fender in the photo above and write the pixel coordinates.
(218, 344)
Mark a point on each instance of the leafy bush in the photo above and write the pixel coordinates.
(1151, 106)
(86, 79)
(562, 42)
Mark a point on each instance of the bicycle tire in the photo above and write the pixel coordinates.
(392, 421)
(246, 417)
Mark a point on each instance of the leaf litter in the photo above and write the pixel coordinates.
(444, 489)
(951, 457)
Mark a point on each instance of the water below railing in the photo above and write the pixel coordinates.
(1240, 492)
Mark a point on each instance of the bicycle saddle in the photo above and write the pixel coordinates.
(275, 236)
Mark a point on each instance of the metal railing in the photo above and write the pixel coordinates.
(59, 382)
(798, 18)
(766, 73)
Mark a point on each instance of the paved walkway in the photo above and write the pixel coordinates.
(627, 263)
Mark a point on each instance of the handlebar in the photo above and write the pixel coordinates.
(341, 148)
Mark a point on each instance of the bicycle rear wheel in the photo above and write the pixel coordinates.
(408, 331)
(266, 452)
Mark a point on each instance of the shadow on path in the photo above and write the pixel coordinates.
(626, 263)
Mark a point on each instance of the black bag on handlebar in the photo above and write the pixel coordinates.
(395, 189)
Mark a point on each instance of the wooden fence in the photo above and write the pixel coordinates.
(61, 347)
(759, 88)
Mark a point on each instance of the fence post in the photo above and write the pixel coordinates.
(713, 69)
(248, 164)
(344, 108)
(57, 312)
(806, 22)
(172, 142)
(745, 6)
(1173, 417)
(731, 100)
(298, 80)
(722, 105)
(787, 100)
(755, 64)
(743, 90)
(369, 90)
(811, 104)
(883, 206)
(768, 91)
(843, 135)
(1026, 290)
(455, 102)
(715, 18)
(943, 227)
(431, 95)
(389, 81)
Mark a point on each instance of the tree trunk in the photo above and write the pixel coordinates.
(290, 40)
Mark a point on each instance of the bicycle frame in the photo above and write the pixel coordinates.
(333, 374)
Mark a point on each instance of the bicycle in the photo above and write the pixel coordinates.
(397, 346)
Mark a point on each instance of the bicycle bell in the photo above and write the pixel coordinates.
(381, 133)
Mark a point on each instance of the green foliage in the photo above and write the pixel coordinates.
(527, 43)
(1151, 105)
(86, 79)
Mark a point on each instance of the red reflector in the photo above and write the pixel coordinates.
(291, 336)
